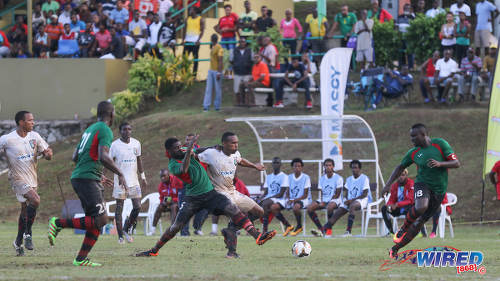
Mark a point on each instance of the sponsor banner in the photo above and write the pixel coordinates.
(492, 151)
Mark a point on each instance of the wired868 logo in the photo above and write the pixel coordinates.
(440, 256)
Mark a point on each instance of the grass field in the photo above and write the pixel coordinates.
(202, 258)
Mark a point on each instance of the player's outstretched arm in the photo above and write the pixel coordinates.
(109, 164)
(187, 157)
(245, 163)
(47, 153)
(449, 164)
(395, 174)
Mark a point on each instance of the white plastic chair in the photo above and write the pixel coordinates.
(154, 201)
(443, 217)
(372, 212)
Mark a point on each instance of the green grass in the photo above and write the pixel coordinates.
(202, 258)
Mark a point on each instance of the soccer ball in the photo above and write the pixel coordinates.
(301, 249)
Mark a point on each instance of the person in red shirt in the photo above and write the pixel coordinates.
(400, 200)
(68, 34)
(379, 13)
(260, 79)
(103, 38)
(168, 190)
(4, 45)
(428, 69)
(227, 27)
(435, 218)
(495, 171)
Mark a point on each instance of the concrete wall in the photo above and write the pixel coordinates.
(58, 88)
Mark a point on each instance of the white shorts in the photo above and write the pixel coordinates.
(244, 203)
(131, 192)
(305, 203)
(238, 79)
(363, 202)
(20, 189)
(138, 44)
(280, 201)
(337, 202)
(366, 54)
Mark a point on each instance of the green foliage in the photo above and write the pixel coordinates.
(276, 37)
(423, 36)
(126, 104)
(387, 43)
(178, 71)
(142, 77)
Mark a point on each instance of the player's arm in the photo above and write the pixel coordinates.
(395, 174)
(304, 196)
(47, 153)
(282, 192)
(338, 191)
(245, 163)
(140, 169)
(74, 157)
(109, 164)
(187, 157)
(451, 161)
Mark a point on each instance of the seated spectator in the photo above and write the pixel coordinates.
(435, 10)
(270, 56)
(22, 51)
(19, 32)
(108, 6)
(50, 17)
(288, 27)
(300, 79)
(149, 17)
(446, 70)
(428, 68)
(68, 34)
(462, 32)
(167, 34)
(4, 45)
(164, 6)
(435, 218)
(379, 13)
(41, 44)
(37, 19)
(447, 33)
(65, 16)
(54, 30)
(168, 190)
(117, 46)
(265, 21)
(76, 25)
(241, 60)
(86, 41)
(260, 79)
(103, 41)
(364, 49)
(120, 14)
(153, 32)
(310, 67)
(84, 13)
(138, 32)
(50, 5)
(470, 68)
(394, 84)
(489, 63)
(95, 23)
(400, 200)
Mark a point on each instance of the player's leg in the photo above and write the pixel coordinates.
(33, 201)
(199, 220)
(435, 221)
(335, 217)
(215, 225)
(276, 210)
(311, 211)
(21, 226)
(422, 195)
(266, 206)
(118, 219)
(332, 206)
(136, 195)
(353, 207)
(297, 212)
(174, 210)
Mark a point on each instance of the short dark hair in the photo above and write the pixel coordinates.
(276, 158)
(20, 115)
(169, 143)
(190, 135)
(104, 109)
(329, 160)
(297, 160)
(123, 124)
(355, 161)
(228, 6)
(226, 135)
(419, 126)
(214, 37)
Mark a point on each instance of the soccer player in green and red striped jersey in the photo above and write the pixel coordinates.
(433, 158)
(91, 156)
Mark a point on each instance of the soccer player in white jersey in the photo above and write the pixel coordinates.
(222, 163)
(126, 153)
(299, 192)
(275, 186)
(22, 148)
(358, 194)
(330, 186)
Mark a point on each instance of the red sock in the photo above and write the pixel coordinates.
(91, 236)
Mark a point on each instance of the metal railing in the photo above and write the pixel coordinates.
(12, 11)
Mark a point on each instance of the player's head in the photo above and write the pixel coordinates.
(403, 177)
(329, 165)
(25, 120)
(188, 138)
(105, 112)
(164, 175)
(355, 166)
(418, 134)
(173, 148)
(125, 130)
(297, 165)
(276, 165)
(229, 142)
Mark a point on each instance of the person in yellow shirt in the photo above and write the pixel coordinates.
(487, 73)
(214, 78)
(195, 26)
(317, 29)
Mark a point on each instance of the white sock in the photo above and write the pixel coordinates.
(214, 227)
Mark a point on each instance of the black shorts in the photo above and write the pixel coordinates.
(215, 202)
(90, 194)
(422, 190)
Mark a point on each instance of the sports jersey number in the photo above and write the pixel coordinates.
(419, 193)
(85, 139)
(101, 208)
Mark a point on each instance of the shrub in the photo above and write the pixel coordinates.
(142, 76)
(423, 36)
(387, 43)
(126, 104)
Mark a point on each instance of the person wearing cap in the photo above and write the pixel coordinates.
(54, 30)
(470, 67)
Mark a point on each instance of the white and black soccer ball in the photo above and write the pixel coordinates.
(301, 248)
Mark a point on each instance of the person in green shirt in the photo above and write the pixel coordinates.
(200, 194)
(346, 20)
(91, 157)
(50, 5)
(246, 23)
(433, 158)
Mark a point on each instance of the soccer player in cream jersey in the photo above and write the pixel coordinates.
(22, 148)
(126, 152)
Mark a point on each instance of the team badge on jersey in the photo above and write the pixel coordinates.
(33, 143)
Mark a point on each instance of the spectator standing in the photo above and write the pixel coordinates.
(288, 27)
(76, 25)
(164, 6)
(120, 14)
(470, 68)
(489, 62)
(54, 31)
(37, 19)
(41, 43)
(50, 5)
(462, 32)
(364, 49)
(483, 26)
(300, 79)
(195, 27)
(153, 33)
(379, 13)
(103, 40)
(318, 29)
(264, 22)
(214, 78)
(4, 45)
(346, 20)
(420, 7)
(166, 36)
(400, 200)
(446, 70)
(428, 69)
(495, 171)
(260, 79)
(403, 22)
(460, 6)
(247, 20)
(448, 39)
(86, 41)
(227, 27)
(65, 16)
(435, 10)
(137, 28)
(241, 60)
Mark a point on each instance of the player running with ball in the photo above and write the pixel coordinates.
(433, 158)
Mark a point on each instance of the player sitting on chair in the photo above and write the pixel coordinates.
(330, 185)
(358, 190)
(298, 192)
(169, 200)
(400, 200)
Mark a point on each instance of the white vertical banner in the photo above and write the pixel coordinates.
(333, 73)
